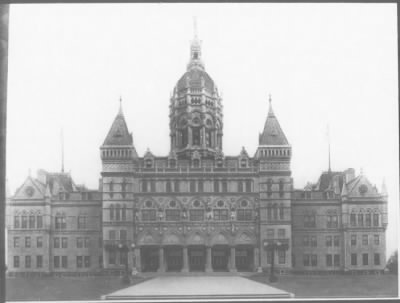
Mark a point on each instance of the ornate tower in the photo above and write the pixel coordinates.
(273, 155)
(195, 110)
(119, 159)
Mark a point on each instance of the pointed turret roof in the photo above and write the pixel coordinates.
(272, 134)
(119, 134)
(384, 189)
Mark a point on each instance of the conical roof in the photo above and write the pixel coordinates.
(272, 134)
(119, 134)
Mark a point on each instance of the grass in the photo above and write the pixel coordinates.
(63, 288)
(330, 286)
(92, 288)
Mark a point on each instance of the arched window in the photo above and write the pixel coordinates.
(111, 188)
(112, 212)
(275, 210)
(60, 221)
(281, 212)
(149, 212)
(208, 138)
(360, 219)
(16, 221)
(200, 186)
(244, 213)
(118, 213)
(192, 185)
(82, 221)
(281, 188)
(184, 137)
(123, 188)
(39, 220)
(177, 189)
(224, 186)
(123, 216)
(269, 187)
(240, 186)
(168, 186)
(32, 221)
(376, 219)
(221, 212)
(24, 220)
(144, 186)
(216, 186)
(248, 186)
(197, 212)
(269, 212)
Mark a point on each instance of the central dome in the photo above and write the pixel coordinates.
(195, 78)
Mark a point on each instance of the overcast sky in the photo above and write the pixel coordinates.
(323, 64)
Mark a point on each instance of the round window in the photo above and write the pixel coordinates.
(172, 203)
(149, 204)
(244, 203)
(196, 203)
(220, 203)
(363, 189)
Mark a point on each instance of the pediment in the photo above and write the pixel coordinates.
(29, 190)
(219, 239)
(362, 188)
(171, 239)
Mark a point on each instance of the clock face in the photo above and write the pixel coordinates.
(29, 191)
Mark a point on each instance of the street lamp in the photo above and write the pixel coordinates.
(271, 246)
(123, 248)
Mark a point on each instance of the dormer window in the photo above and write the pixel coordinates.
(172, 163)
(196, 163)
(148, 163)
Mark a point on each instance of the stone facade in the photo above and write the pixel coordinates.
(196, 209)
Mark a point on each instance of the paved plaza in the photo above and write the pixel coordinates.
(198, 287)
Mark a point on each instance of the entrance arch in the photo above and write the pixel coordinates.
(244, 252)
(196, 252)
(220, 252)
(173, 252)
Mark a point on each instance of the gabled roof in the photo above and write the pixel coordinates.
(361, 187)
(119, 134)
(272, 134)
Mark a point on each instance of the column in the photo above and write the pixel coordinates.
(208, 259)
(185, 260)
(161, 267)
(256, 257)
(190, 138)
(232, 267)
(138, 263)
(203, 137)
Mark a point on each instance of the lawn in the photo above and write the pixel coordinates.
(328, 286)
(62, 288)
(92, 288)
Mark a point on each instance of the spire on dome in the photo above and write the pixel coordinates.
(272, 134)
(195, 50)
(120, 106)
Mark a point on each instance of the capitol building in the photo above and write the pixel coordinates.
(196, 209)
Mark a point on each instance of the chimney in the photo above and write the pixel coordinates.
(349, 174)
(42, 176)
